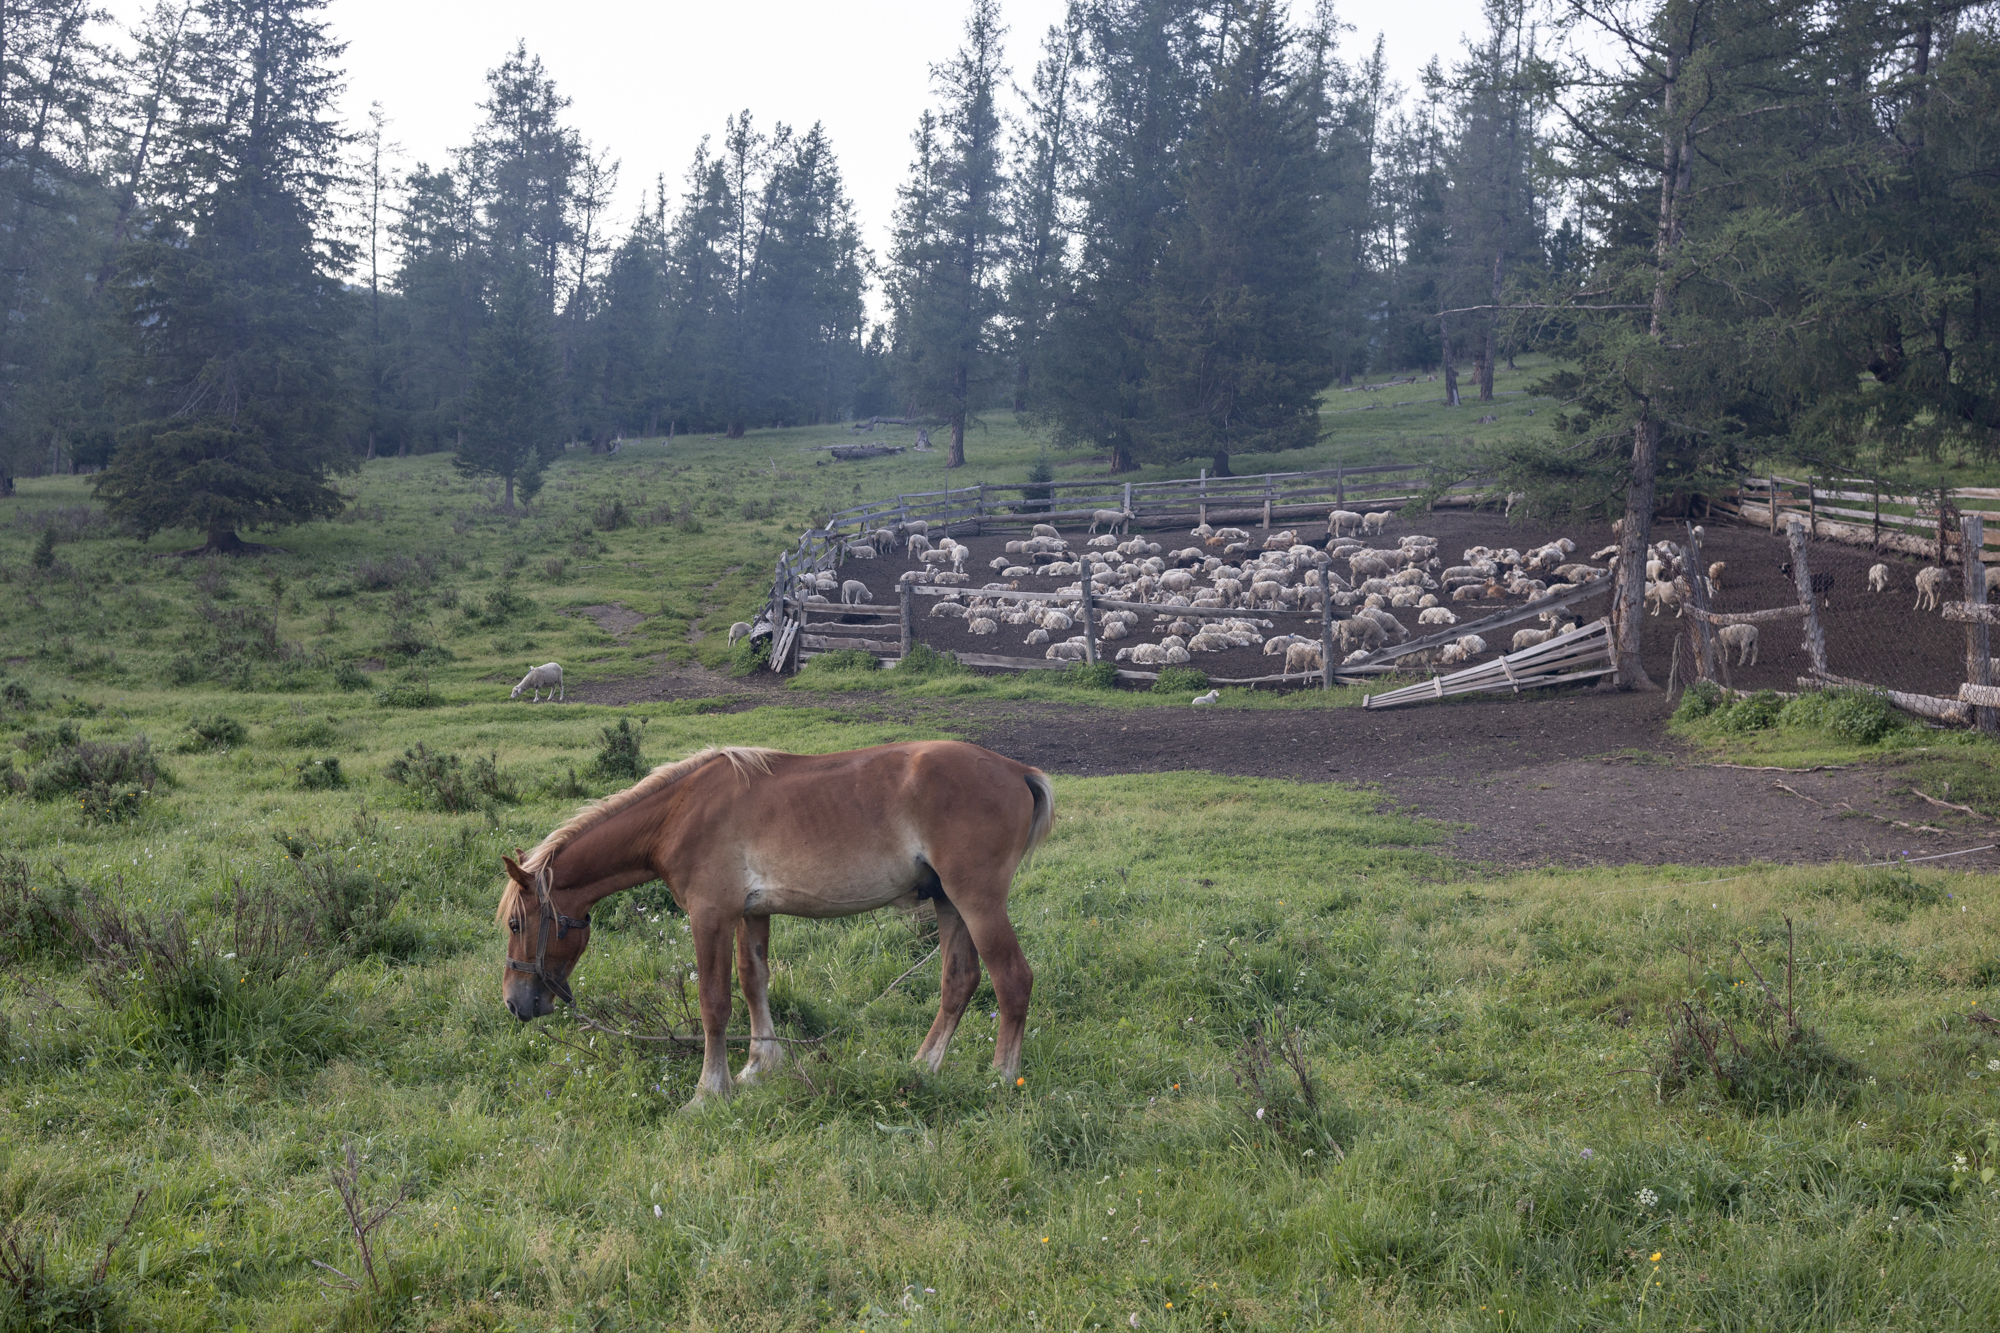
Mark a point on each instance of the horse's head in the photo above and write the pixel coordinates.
(543, 943)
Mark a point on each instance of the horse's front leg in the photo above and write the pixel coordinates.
(753, 961)
(711, 952)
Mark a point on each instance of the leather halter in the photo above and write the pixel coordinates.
(544, 882)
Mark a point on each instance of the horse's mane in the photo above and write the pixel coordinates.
(743, 758)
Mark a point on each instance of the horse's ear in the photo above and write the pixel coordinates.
(515, 873)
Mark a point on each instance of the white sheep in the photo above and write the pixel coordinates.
(1375, 521)
(1303, 657)
(982, 625)
(860, 551)
(1045, 530)
(1343, 521)
(547, 676)
(1878, 578)
(1930, 588)
(854, 592)
(1436, 615)
(948, 609)
(736, 633)
(1743, 638)
(1531, 638)
(1035, 637)
(1119, 520)
(1715, 573)
(916, 545)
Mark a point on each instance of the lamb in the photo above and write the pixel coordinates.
(548, 676)
(1265, 593)
(854, 591)
(1104, 542)
(1715, 573)
(1036, 637)
(1743, 638)
(737, 632)
(1530, 638)
(1375, 521)
(860, 551)
(1930, 588)
(1224, 536)
(1118, 520)
(1878, 578)
(938, 556)
(1436, 615)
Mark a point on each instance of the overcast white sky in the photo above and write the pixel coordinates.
(648, 80)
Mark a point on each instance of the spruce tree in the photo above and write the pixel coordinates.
(945, 288)
(233, 303)
(1239, 312)
(512, 428)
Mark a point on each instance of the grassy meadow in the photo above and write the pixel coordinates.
(1289, 1064)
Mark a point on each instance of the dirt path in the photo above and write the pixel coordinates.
(1586, 779)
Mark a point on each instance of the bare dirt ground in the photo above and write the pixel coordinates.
(1570, 779)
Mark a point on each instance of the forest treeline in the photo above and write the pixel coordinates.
(1740, 225)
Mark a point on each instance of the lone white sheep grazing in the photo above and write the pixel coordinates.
(855, 591)
(547, 676)
(1743, 638)
(1930, 588)
(736, 634)
(1878, 578)
(1118, 520)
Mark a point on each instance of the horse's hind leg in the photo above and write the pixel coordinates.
(1013, 980)
(753, 960)
(960, 979)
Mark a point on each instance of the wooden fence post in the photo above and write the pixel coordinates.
(1773, 482)
(1812, 507)
(1704, 633)
(1089, 625)
(1875, 543)
(1941, 523)
(1204, 497)
(1267, 502)
(1128, 504)
(1795, 532)
(1326, 625)
(1978, 649)
(908, 617)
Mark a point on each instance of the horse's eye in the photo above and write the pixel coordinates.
(515, 925)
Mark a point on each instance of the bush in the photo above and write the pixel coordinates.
(406, 694)
(86, 766)
(502, 605)
(350, 908)
(406, 639)
(839, 661)
(1758, 712)
(306, 734)
(218, 731)
(1181, 680)
(110, 803)
(618, 755)
(1699, 700)
(613, 516)
(15, 695)
(347, 676)
(752, 655)
(45, 550)
(1861, 716)
(924, 661)
(443, 781)
(36, 921)
(1090, 675)
(1035, 497)
(318, 774)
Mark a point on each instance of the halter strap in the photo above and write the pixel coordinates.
(544, 884)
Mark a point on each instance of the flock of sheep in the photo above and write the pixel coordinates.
(1227, 570)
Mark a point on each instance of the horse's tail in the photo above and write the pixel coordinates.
(1044, 793)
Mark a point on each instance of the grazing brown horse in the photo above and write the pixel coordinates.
(738, 834)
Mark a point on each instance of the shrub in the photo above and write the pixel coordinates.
(502, 605)
(349, 908)
(36, 920)
(1090, 675)
(392, 572)
(318, 774)
(751, 655)
(86, 765)
(924, 661)
(306, 734)
(1861, 716)
(45, 550)
(839, 661)
(184, 670)
(552, 569)
(1758, 712)
(618, 754)
(32, 1299)
(443, 781)
(15, 695)
(405, 640)
(217, 731)
(613, 516)
(109, 803)
(348, 676)
(1035, 497)
(406, 694)
(1699, 700)
(1181, 680)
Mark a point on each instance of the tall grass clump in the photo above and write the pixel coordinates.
(213, 731)
(1862, 716)
(37, 920)
(439, 780)
(618, 753)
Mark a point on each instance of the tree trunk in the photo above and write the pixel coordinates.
(735, 430)
(222, 540)
(1220, 466)
(371, 444)
(956, 458)
(1628, 596)
(1450, 364)
(510, 492)
(1121, 458)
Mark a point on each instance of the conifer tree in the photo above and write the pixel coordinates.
(511, 422)
(1239, 312)
(233, 300)
(947, 265)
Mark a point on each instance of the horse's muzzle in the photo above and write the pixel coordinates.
(529, 1001)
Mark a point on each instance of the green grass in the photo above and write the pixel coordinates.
(1479, 1141)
